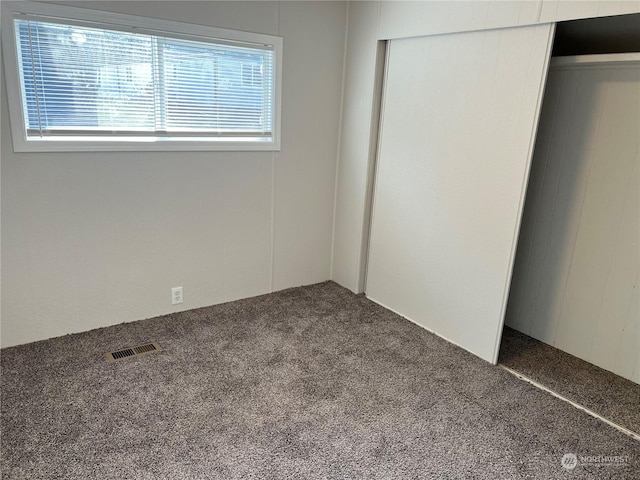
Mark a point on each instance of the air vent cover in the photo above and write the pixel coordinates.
(145, 349)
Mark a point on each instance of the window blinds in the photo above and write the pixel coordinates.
(84, 80)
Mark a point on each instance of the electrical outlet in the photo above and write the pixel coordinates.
(176, 295)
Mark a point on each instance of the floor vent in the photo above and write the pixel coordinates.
(145, 349)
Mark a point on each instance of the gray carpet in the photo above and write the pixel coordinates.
(607, 394)
(312, 382)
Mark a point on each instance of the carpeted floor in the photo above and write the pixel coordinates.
(603, 392)
(312, 382)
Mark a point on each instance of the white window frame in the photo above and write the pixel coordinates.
(133, 24)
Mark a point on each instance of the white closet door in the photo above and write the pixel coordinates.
(457, 132)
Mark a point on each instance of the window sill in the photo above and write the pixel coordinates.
(142, 144)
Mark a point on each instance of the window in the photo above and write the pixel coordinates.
(85, 80)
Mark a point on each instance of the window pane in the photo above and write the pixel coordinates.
(85, 79)
(206, 87)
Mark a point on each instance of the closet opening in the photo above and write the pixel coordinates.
(572, 322)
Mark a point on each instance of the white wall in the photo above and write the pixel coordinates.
(558, 10)
(95, 239)
(575, 283)
(357, 146)
(415, 18)
(374, 21)
(401, 19)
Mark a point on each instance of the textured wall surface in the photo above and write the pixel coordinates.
(95, 239)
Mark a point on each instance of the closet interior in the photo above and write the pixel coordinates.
(575, 278)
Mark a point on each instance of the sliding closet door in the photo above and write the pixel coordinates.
(457, 133)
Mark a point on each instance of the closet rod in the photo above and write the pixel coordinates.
(594, 60)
